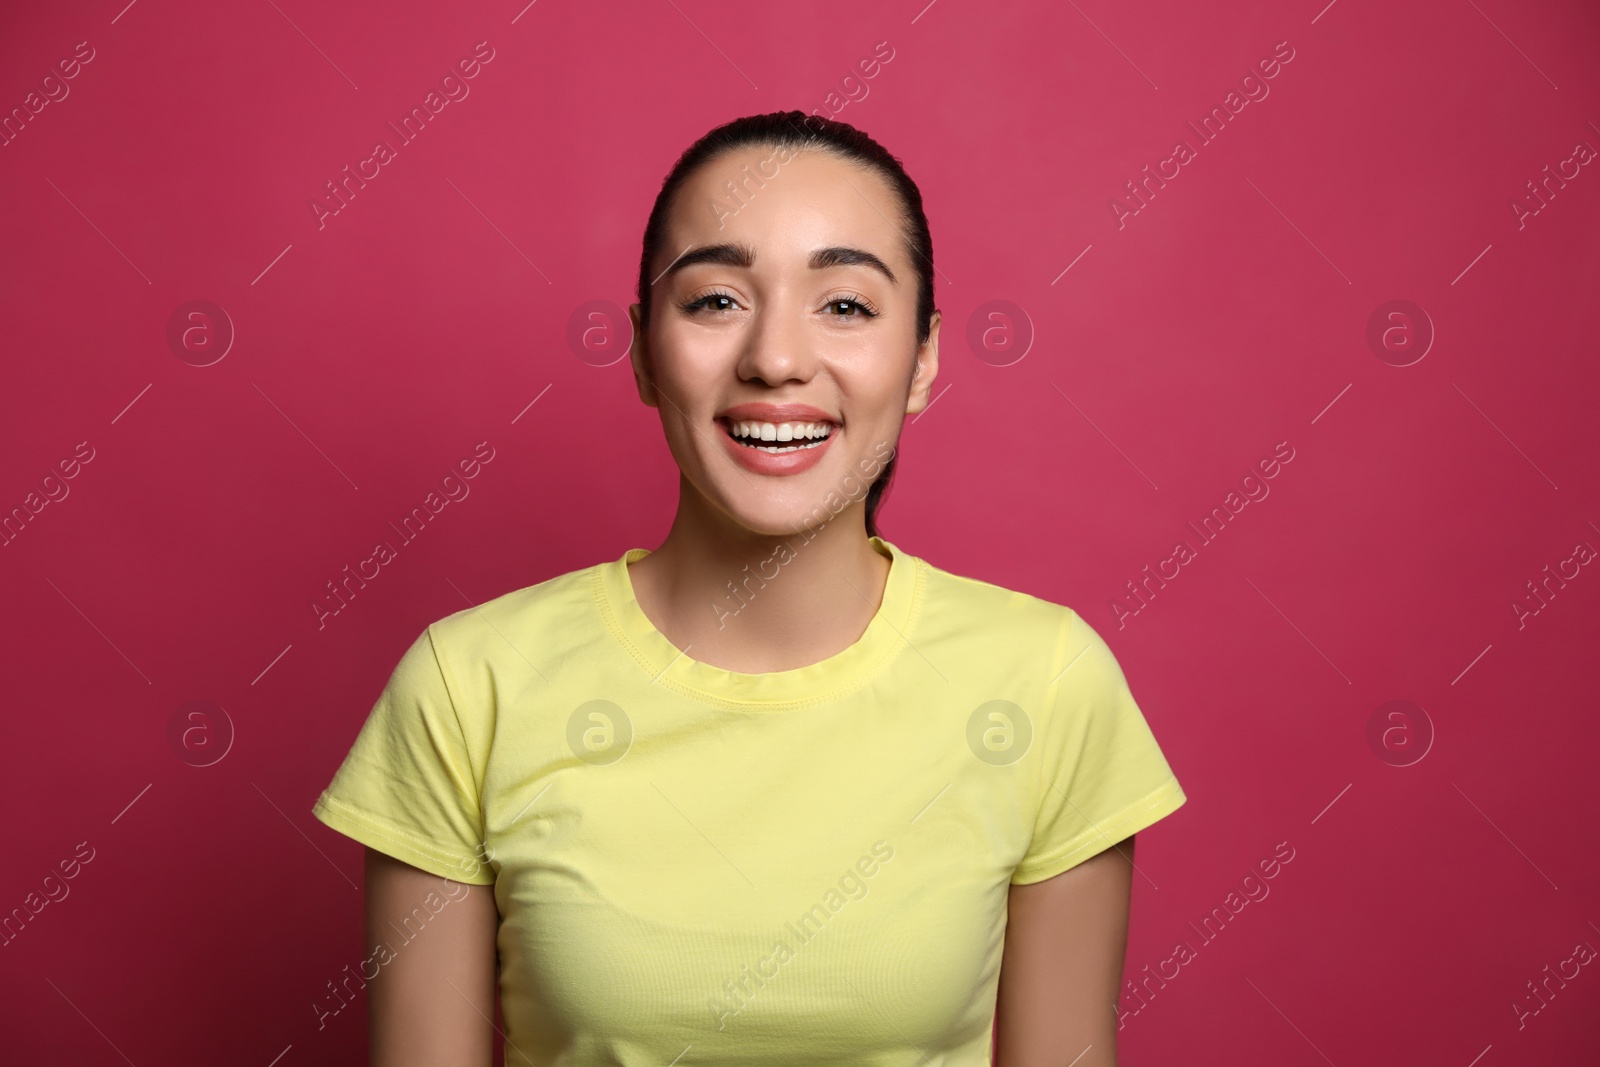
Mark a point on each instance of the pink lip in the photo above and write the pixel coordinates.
(776, 413)
(782, 463)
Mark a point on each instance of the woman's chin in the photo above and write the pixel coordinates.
(798, 519)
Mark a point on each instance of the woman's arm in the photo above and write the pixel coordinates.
(432, 1002)
(1061, 971)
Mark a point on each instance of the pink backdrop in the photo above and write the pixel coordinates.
(1379, 261)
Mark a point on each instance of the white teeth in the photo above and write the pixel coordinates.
(783, 431)
(811, 433)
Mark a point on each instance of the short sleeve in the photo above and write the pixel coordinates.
(1103, 777)
(407, 787)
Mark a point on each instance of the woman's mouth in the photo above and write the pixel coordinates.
(778, 437)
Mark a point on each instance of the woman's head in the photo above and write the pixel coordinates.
(786, 279)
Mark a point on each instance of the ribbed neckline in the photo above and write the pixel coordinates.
(667, 665)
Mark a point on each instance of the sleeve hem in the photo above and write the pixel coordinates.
(455, 710)
(1154, 806)
(376, 834)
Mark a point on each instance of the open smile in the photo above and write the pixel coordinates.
(780, 437)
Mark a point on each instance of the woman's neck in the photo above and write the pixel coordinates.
(756, 604)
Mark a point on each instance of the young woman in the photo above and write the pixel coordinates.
(776, 792)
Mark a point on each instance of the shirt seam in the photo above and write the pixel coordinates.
(455, 712)
(1049, 716)
(331, 804)
(1154, 799)
(597, 589)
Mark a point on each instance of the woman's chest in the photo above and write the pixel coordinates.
(718, 884)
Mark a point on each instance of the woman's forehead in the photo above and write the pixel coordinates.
(785, 206)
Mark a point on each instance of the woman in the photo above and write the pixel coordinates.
(776, 792)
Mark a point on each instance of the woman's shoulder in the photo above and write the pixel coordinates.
(1003, 626)
(561, 604)
(992, 606)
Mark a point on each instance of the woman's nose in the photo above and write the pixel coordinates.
(776, 349)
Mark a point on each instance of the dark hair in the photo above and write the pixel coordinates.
(791, 130)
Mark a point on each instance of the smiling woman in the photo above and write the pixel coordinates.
(658, 791)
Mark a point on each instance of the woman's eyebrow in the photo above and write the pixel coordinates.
(838, 256)
(741, 255)
(728, 255)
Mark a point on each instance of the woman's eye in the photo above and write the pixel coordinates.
(714, 301)
(847, 308)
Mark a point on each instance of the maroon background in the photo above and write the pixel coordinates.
(1229, 314)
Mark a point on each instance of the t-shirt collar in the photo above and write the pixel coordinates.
(885, 636)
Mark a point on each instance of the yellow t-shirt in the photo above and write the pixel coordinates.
(802, 867)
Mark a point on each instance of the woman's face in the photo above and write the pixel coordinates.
(781, 353)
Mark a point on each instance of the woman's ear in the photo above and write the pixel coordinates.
(925, 370)
(639, 357)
